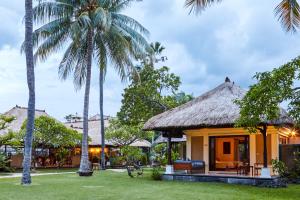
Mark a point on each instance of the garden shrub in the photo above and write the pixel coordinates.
(292, 173)
(4, 163)
(156, 175)
(280, 168)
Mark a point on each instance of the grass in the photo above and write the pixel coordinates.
(118, 186)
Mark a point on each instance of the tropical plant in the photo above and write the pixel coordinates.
(279, 168)
(131, 155)
(155, 92)
(4, 163)
(122, 134)
(159, 154)
(156, 173)
(118, 38)
(4, 121)
(49, 133)
(287, 11)
(9, 139)
(28, 46)
(92, 26)
(153, 52)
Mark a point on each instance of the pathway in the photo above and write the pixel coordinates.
(17, 175)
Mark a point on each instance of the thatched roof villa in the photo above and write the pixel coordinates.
(208, 123)
(20, 114)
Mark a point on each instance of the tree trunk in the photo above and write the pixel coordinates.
(101, 82)
(84, 162)
(26, 178)
(264, 133)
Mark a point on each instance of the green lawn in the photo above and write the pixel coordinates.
(117, 186)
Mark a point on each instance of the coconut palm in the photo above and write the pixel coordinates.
(68, 22)
(26, 178)
(96, 25)
(157, 48)
(287, 11)
(118, 39)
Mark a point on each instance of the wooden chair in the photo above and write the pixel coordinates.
(257, 167)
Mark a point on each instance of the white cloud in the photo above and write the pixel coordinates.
(233, 38)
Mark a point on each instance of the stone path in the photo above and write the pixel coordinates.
(17, 175)
(117, 170)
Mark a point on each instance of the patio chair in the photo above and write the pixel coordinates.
(244, 169)
(257, 168)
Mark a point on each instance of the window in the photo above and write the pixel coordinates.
(226, 148)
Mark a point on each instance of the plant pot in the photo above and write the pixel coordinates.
(89, 173)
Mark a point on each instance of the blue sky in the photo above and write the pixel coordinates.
(233, 38)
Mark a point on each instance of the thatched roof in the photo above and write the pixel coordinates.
(162, 139)
(94, 129)
(97, 117)
(20, 114)
(141, 143)
(215, 108)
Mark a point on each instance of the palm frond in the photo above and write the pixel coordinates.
(120, 18)
(51, 10)
(50, 45)
(288, 13)
(197, 6)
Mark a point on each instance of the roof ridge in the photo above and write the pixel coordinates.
(22, 107)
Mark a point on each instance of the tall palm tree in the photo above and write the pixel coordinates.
(114, 37)
(118, 39)
(157, 48)
(26, 178)
(153, 52)
(68, 21)
(287, 11)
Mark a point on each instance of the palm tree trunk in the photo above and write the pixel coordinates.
(85, 169)
(101, 82)
(26, 178)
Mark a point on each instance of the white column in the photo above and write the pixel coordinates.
(252, 150)
(188, 147)
(206, 151)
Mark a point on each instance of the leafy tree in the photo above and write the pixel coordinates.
(28, 46)
(260, 105)
(9, 139)
(155, 92)
(4, 121)
(123, 135)
(49, 133)
(288, 11)
(131, 155)
(4, 163)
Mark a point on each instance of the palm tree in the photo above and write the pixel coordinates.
(96, 25)
(26, 178)
(287, 11)
(157, 48)
(118, 39)
(68, 21)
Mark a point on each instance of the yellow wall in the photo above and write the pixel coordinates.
(197, 148)
(254, 143)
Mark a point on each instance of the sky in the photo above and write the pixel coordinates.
(232, 38)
